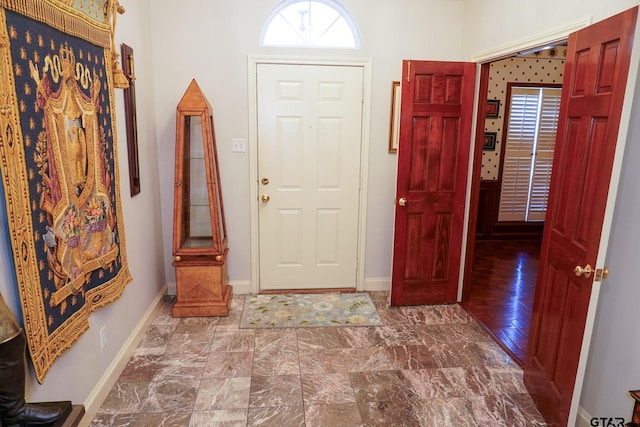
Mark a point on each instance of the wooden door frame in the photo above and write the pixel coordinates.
(484, 61)
(252, 64)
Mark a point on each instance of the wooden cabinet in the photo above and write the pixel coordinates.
(199, 229)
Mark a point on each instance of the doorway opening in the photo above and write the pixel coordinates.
(500, 285)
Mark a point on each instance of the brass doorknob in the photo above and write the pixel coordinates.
(402, 201)
(265, 198)
(583, 271)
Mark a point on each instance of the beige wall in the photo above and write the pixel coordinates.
(492, 24)
(211, 43)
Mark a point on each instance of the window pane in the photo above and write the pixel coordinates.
(281, 33)
(339, 36)
(312, 24)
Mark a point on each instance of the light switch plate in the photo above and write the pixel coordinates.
(239, 145)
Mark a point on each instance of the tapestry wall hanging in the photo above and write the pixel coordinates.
(59, 168)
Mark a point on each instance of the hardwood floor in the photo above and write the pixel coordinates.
(502, 291)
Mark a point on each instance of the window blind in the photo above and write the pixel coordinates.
(528, 155)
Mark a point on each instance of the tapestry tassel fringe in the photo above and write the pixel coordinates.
(59, 18)
(120, 81)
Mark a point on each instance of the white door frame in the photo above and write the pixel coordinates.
(252, 63)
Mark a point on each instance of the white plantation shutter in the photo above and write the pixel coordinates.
(515, 188)
(531, 133)
(543, 159)
(516, 169)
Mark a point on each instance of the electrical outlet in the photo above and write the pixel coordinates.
(103, 336)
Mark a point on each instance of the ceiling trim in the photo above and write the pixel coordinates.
(540, 40)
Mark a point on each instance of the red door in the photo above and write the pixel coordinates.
(593, 90)
(433, 158)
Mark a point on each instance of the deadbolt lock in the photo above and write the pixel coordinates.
(601, 274)
(265, 181)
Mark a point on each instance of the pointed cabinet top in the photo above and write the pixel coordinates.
(194, 100)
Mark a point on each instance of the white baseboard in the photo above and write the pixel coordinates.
(113, 371)
(583, 419)
(241, 287)
(171, 288)
(377, 284)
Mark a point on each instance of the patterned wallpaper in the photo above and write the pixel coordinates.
(533, 68)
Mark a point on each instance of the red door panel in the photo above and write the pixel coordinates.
(433, 155)
(596, 72)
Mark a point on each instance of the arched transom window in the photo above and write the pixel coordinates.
(311, 23)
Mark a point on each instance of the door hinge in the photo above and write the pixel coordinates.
(601, 273)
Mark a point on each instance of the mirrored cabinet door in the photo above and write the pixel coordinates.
(199, 230)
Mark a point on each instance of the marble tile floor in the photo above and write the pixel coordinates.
(427, 366)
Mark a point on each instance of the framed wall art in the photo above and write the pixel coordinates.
(493, 108)
(394, 128)
(489, 143)
(130, 113)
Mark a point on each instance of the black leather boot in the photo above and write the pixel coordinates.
(14, 411)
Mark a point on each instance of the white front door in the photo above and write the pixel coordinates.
(309, 148)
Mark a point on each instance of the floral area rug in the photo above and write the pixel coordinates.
(308, 310)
